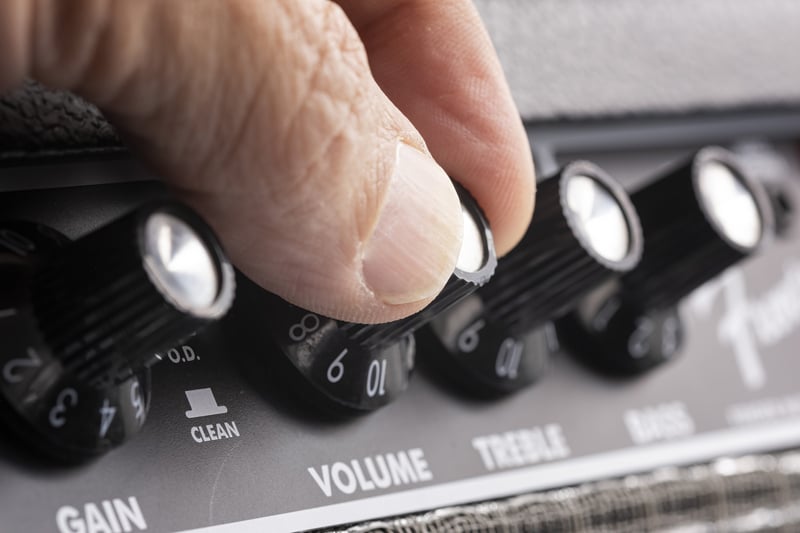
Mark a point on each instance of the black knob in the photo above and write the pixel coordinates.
(698, 219)
(86, 320)
(361, 367)
(584, 232)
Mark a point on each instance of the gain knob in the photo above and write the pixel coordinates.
(584, 232)
(361, 367)
(697, 220)
(82, 321)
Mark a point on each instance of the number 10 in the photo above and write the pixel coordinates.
(376, 378)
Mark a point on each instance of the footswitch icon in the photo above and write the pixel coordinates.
(203, 403)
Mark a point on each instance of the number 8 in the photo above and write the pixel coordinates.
(308, 324)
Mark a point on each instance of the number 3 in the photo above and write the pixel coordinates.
(66, 398)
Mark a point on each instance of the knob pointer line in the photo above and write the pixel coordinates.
(355, 368)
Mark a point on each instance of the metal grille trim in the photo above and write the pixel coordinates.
(752, 493)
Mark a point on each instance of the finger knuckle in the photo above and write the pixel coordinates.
(332, 106)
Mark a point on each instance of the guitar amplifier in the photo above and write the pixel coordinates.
(650, 383)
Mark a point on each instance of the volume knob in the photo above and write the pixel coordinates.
(99, 310)
(583, 233)
(699, 219)
(362, 367)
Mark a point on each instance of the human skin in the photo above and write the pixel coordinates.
(316, 137)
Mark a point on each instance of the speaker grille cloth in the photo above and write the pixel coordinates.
(754, 493)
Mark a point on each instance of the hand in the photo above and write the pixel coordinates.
(302, 129)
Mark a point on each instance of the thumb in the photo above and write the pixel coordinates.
(265, 117)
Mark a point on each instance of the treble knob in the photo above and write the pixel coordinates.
(699, 219)
(88, 318)
(584, 232)
(361, 367)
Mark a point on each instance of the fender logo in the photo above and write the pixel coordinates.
(751, 323)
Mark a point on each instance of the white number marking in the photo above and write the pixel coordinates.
(376, 378)
(308, 324)
(13, 370)
(639, 342)
(508, 358)
(336, 368)
(66, 398)
(669, 335)
(107, 414)
(469, 339)
(137, 402)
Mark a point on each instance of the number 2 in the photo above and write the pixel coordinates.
(13, 370)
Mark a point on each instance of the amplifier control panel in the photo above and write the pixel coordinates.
(650, 317)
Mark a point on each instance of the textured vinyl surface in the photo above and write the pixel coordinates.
(589, 58)
(37, 121)
(572, 59)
